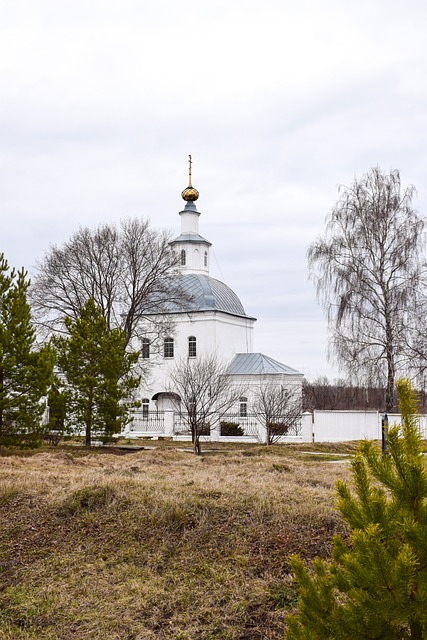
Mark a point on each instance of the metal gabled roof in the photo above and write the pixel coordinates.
(258, 364)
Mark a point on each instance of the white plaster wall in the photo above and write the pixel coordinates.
(194, 257)
(189, 221)
(250, 385)
(215, 332)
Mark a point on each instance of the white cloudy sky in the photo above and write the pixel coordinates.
(279, 102)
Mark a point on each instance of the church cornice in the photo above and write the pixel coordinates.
(191, 237)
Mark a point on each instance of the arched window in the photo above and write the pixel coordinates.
(206, 259)
(243, 408)
(145, 404)
(192, 347)
(183, 257)
(168, 348)
(145, 348)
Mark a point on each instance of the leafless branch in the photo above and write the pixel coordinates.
(128, 271)
(205, 390)
(278, 407)
(369, 269)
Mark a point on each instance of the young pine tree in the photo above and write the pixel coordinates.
(98, 372)
(375, 586)
(25, 372)
(57, 401)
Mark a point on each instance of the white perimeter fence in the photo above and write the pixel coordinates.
(341, 426)
(319, 426)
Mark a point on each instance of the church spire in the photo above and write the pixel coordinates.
(190, 194)
(193, 249)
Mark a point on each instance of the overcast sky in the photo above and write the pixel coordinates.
(279, 103)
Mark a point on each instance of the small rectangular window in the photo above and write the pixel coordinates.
(145, 348)
(192, 347)
(168, 348)
(145, 408)
(243, 409)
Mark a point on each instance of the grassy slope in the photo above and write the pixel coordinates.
(158, 544)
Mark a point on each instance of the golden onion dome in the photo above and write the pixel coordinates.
(190, 194)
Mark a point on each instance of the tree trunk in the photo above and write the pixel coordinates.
(389, 395)
(89, 421)
(267, 433)
(195, 439)
(1, 398)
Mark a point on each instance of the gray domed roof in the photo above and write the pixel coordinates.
(206, 294)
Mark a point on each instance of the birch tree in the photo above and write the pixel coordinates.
(369, 272)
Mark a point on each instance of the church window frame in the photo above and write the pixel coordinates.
(145, 408)
(145, 348)
(243, 407)
(205, 259)
(192, 347)
(168, 348)
(183, 258)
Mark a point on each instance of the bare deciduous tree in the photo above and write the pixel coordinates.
(279, 408)
(127, 271)
(369, 274)
(205, 391)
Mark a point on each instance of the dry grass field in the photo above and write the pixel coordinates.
(159, 543)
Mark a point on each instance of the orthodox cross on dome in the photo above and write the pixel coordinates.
(190, 194)
(189, 171)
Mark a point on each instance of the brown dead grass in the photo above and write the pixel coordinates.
(158, 543)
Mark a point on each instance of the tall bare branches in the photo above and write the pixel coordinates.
(278, 408)
(369, 269)
(205, 390)
(127, 271)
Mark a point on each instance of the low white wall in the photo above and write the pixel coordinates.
(319, 426)
(341, 426)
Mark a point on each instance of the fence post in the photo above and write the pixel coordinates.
(215, 428)
(169, 417)
(262, 432)
(307, 426)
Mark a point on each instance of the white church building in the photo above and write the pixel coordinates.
(211, 320)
